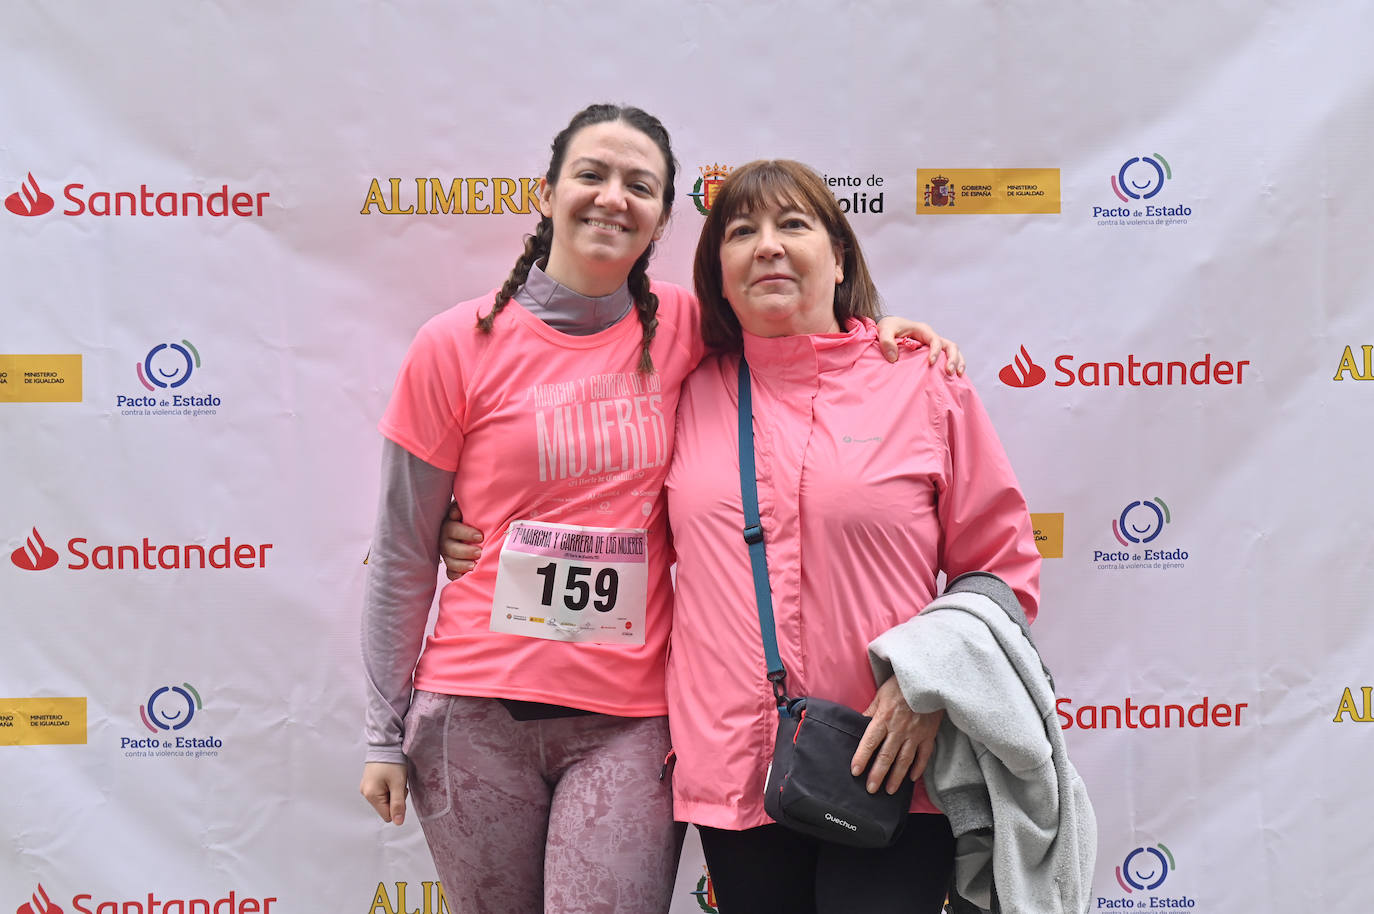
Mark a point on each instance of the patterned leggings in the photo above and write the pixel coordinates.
(561, 816)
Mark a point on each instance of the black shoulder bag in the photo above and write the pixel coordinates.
(809, 788)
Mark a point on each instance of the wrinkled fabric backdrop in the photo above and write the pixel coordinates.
(1148, 225)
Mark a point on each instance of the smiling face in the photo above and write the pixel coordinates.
(1141, 178)
(1145, 868)
(170, 708)
(1141, 522)
(779, 269)
(606, 207)
(168, 365)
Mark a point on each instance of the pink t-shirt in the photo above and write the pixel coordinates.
(557, 429)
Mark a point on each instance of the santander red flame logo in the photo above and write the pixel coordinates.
(1022, 372)
(34, 555)
(39, 903)
(29, 200)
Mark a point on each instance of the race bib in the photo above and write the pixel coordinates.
(569, 583)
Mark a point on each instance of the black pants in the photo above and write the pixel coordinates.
(772, 870)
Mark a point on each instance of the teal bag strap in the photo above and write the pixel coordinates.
(753, 536)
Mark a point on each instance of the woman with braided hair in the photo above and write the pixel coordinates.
(531, 729)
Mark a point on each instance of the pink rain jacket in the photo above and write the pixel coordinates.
(872, 479)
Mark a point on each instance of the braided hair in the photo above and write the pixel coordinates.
(538, 245)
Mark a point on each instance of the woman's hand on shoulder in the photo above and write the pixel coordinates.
(890, 329)
(459, 545)
(384, 787)
(902, 739)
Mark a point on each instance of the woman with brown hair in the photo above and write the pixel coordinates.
(872, 479)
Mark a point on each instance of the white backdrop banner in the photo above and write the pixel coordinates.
(1148, 225)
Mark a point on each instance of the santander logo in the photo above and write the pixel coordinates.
(1132, 372)
(1022, 372)
(39, 903)
(29, 200)
(144, 555)
(34, 555)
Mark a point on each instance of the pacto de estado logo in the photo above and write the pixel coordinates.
(1137, 526)
(1140, 522)
(34, 555)
(30, 200)
(163, 371)
(39, 903)
(1138, 180)
(169, 710)
(170, 707)
(168, 365)
(1145, 869)
(1070, 371)
(1141, 178)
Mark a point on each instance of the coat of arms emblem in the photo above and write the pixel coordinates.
(708, 185)
(939, 192)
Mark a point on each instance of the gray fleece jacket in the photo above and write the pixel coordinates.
(1025, 834)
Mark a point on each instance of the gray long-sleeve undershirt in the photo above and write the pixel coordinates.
(401, 579)
(414, 499)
